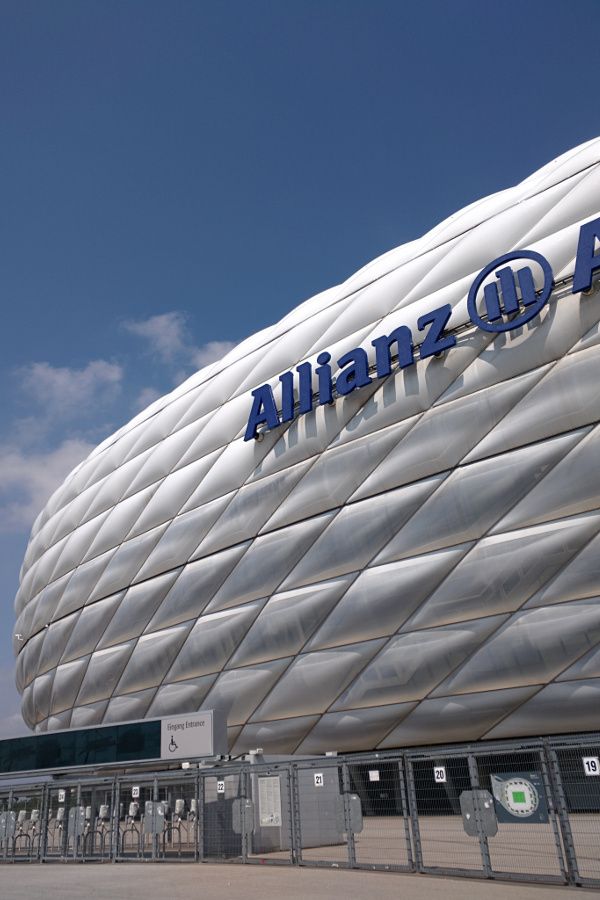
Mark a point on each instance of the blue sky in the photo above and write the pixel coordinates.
(176, 175)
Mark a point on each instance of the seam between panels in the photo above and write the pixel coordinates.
(474, 543)
(460, 463)
(200, 615)
(337, 509)
(579, 657)
(486, 533)
(450, 697)
(488, 637)
(299, 653)
(540, 687)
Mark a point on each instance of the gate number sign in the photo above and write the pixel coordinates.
(135, 791)
(439, 774)
(318, 779)
(591, 765)
(220, 787)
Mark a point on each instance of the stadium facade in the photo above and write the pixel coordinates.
(375, 524)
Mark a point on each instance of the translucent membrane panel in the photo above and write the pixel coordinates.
(181, 538)
(559, 326)
(119, 522)
(67, 682)
(152, 656)
(267, 562)
(164, 501)
(239, 691)
(381, 599)
(357, 532)
(132, 706)
(578, 579)
(563, 400)
(314, 680)
(578, 702)
(42, 692)
(27, 661)
(249, 510)
(287, 621)
(571, 487)
(532, 648)
(103, 673)
(282, 736)
(501, 572)
(55, 640)
(90, 626)
(183, 697)
(77, 545)
(195, 586)
(126, 563)
(474, 497)
(411, 665)
(360, 729)
(78, 590)
(444, 434)
(588, 666)
(310, 434)
(212, 641)
(463, 718)
(335, 475)
(135, 609)
(92, 714)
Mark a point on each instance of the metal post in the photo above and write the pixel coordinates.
(414, 814)
(296, 829)
(197, 819)
(347, 819)
(44, 822)
(483, 841)
(116, 821)
(409, 853)
(200, 819)
(243, 793)
(156, 838)
(76, 836)
(557, 805)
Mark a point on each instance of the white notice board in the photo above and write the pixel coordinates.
(184, 737)
(269, 801)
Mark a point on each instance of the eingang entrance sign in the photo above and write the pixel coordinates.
(201, 734)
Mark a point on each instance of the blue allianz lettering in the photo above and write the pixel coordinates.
(503, 305)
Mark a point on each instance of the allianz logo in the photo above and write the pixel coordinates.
(506, 303)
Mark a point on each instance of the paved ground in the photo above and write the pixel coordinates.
(147, 881)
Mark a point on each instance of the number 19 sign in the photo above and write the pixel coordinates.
(591, 765)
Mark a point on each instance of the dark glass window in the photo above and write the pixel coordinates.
(85, 747)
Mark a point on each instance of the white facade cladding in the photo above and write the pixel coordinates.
(416, 562)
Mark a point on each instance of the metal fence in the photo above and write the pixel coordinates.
(527, 810)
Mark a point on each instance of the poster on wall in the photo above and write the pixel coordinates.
(519, 797)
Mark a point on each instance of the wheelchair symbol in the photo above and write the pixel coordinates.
(172, 745)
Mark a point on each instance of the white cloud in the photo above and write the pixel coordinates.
(211, 352)
(28, 478)
(64, 392)
(145, 397)
(167, 337)
(165, 334)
